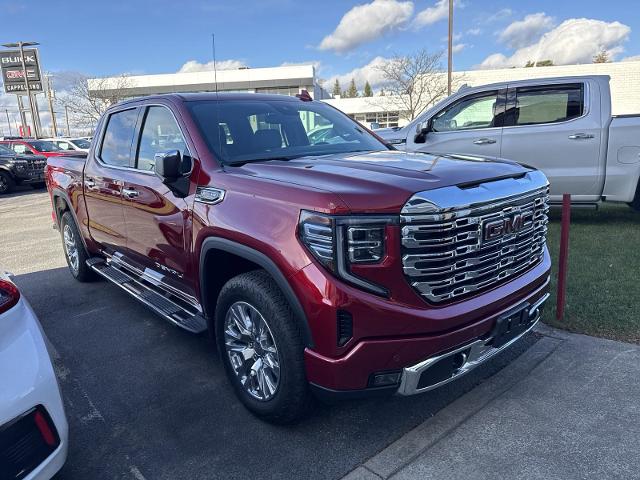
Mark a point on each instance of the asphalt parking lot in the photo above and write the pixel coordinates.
(147, 400)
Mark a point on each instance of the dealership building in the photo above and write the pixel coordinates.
(384, 111)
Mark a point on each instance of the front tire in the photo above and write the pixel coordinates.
(261, 348)
(74, 250)
(6, 183)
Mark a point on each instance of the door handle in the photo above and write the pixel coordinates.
(130, 192)
(484, 141)
(580, 136)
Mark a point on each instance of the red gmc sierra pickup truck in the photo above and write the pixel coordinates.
(331, 265)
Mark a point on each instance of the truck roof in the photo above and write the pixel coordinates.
(541, 80)
(221, 96)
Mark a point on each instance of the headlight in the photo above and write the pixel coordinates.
(338, 242)
(20, 164)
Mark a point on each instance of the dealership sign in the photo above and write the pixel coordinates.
(13, 74)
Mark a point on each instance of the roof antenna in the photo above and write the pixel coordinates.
(215, 79)
(215, 69)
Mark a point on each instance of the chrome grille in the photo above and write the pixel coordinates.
(447, 249)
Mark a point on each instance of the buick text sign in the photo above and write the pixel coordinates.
(13, 75)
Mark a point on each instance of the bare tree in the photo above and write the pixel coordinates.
(412, 83)
(87, 101)
(602, 57)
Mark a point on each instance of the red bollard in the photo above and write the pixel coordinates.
(564, 255)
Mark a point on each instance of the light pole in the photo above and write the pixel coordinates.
(450, 62)
(66, 114)
(50, 94)
(6, 111)
(33, 108)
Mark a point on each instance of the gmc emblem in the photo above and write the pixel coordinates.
(509, 224)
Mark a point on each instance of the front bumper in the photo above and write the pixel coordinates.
(460, 361)
(27, 177)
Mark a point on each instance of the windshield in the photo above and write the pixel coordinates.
(6, 151)
(253, 130)
(45, 146)
(81, 143)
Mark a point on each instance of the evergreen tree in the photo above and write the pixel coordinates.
(336, 88)
(367, 90)
(540, 63)
(352, 92)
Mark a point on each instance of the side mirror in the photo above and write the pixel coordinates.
(422, 129)
(170, 165)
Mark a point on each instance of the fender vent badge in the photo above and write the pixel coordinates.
(209, 195)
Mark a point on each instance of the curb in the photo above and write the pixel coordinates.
(403, 451)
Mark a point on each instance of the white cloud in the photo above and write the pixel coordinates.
(458, 47)
(474, 31)
(316, 64)
(499, 15)
(527, 31)
(633, 58)
(195, 66)
(364, 23)
(574, 41)
(369, 72)
(431, 15)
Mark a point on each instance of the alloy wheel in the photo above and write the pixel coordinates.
(252, 350)
(4, 184)
(71, 248)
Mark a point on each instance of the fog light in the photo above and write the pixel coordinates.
(384, 379)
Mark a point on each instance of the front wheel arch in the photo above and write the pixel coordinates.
(249, 259)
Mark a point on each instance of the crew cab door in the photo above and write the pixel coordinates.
(471, 125)
(158, 220)
(555, 128)
(103, 179)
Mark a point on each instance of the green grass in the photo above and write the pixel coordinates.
(603, 282)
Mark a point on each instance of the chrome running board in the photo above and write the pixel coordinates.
(171, 308)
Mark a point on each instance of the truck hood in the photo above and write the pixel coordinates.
(381, 181)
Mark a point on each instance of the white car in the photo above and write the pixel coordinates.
(562, 126)
(33, 426)
(71, 144)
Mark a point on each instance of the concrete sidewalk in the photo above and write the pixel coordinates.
(568, 408)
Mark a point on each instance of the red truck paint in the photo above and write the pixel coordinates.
(261, 210)
(30, 148)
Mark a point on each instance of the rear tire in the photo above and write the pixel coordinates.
(74, 250)
(261, 348)
(7, 183)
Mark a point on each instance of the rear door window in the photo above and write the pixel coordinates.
(547, 104)
(118, 137)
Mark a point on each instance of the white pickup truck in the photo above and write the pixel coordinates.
(562, 126)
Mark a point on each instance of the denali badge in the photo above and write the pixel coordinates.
(508, 224)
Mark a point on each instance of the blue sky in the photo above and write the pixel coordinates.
(159, 36)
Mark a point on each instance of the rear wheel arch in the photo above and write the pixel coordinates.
(60, 205)
(222, 259)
